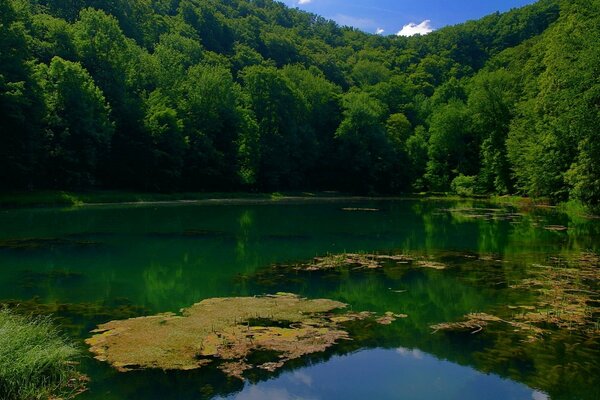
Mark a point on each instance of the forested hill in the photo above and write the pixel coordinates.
(173, 95)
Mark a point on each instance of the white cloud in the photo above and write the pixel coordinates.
(416, 29)
(379, 31)
(301, 2)
(302, 377)
(411, 353)
(539, 396)
(258, 393)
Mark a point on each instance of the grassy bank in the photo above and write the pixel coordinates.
(70, 199)
(36, 361)
(61, 198)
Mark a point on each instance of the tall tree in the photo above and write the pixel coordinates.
(78, 128)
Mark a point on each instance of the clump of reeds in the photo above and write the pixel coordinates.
(36, 361)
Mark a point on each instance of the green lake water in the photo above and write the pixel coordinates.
(89, 265)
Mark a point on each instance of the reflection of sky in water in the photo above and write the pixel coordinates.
(387, 374)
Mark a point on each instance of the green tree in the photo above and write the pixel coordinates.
(281, 112)
(78, 128)
(208, 102)
(20, 103)
(492, 99)
(364, 153)
(168, 143)
(452, 148)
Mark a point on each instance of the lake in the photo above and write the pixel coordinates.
(89, 265)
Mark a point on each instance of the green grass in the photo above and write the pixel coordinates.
(68, 199)
(60, 198)
(36, 361)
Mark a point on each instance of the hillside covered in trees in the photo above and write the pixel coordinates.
(204, 95)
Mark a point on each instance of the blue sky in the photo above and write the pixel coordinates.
(392, 15)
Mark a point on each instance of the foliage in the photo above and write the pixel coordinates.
(253, 95)
(464, 185)
(36, 362)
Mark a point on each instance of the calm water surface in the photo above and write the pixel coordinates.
(89, 265)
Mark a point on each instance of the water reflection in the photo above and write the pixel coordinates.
(386, 374)
(90, 265)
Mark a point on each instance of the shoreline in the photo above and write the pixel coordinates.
(41, 199)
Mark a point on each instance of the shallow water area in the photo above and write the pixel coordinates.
(94, 264)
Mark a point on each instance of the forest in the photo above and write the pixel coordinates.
(250, 95)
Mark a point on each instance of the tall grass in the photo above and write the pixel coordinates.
(36, 361)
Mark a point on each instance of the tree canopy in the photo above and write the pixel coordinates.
(253, 95)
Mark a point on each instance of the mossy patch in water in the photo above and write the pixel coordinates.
(492, 214)
(229, 331)
(567, 299)
(363, 261)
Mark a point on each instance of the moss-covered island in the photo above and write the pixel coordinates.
(227, 331)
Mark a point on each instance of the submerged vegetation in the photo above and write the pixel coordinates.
(566, 290)
(568, 298)
(36, 361)
(229, 331)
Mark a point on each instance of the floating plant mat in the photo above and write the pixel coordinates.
(567, 299)
(365, 261)
(485, 213)
(229, 331)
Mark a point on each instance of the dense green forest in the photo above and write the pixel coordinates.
(205, 95)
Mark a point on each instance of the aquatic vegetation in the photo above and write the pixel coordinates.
(36, 361)
(389, 317)
(556, 228)
(497, 214)
(41, 243)
(228, 331)
(568, 293)
(431, 264)
(476, 322)
(358, 261)
(567, 299)
(75, 317)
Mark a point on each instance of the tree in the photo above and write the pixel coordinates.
(363, 151)
(452, 149)
(208, 102)
(20, 103)
(491, 103)
(281, 112)
(175, 54)
(165, 167)
(78, 128)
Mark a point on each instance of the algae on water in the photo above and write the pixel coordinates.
(227, 331)
(567, 299)
(363, 261)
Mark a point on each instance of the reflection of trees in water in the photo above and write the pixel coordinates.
(563, 363)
